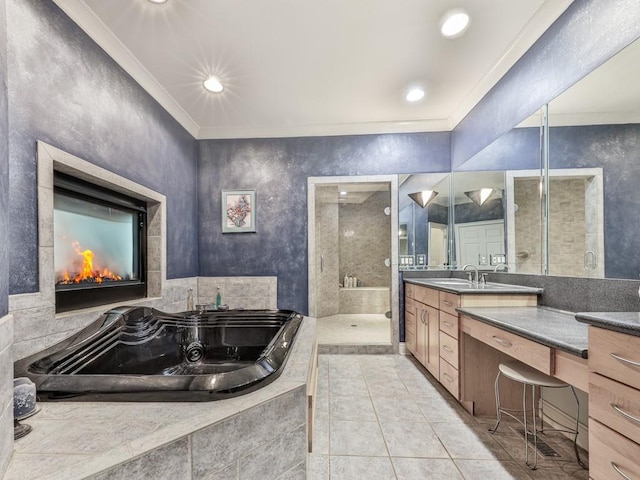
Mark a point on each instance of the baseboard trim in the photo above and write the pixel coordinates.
(556, 418)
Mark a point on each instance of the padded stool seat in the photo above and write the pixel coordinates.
(528, 376)
(522, 373)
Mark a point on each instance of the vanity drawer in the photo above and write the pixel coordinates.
(448, 302)
(428, 296)
(449, 378)
(449, 324)
(527, 351)
(449, 349)
(409, 290)
(615, 355)
(615, 405)
(609, 451)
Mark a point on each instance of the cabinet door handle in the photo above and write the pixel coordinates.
(447, 348)
(502, 341)
(619, 471)
(448, 377)
(625, 415)
(625, 361)
(447, 324)
(447, 303)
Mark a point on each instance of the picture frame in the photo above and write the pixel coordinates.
(238, 211)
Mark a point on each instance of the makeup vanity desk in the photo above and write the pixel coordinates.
(550, 340)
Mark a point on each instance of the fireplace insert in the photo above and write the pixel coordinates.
(99, 245)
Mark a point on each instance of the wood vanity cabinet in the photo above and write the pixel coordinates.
(432, 328)
(421, 328)
(614, 404)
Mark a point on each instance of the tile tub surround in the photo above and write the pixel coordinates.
(263, 431)
(240, 292)
(6, 392)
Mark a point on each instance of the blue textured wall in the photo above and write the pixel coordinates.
(66, 91)
(278, 170)
(585, 36)
(4, 167)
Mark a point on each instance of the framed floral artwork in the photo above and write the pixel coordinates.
(238, 211)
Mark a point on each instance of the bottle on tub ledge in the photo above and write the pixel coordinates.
(218, 299)
(345, 281)
(190, 299)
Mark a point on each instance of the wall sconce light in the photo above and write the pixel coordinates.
(423, 198)
(480, 196)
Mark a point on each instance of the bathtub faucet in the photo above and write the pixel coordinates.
(475, 274)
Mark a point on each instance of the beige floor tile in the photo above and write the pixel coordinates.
(355, 468)
(351, 408)
(410, 439)
(425, 468)
(356, 438)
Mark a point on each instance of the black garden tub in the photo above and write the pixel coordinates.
(143, 354)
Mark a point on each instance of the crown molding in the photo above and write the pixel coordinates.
(328, 130)
(84, 17)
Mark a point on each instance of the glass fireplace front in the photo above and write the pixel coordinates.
(99, 245)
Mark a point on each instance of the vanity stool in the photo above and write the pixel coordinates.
(528, 376)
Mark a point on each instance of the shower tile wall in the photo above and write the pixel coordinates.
(365, 240)
(327, 277)
(568, 236)
(527, 225)
(567, 227)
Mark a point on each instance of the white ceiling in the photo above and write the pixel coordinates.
(309, 67)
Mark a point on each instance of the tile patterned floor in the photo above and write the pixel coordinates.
(383, 417)
(354, 329)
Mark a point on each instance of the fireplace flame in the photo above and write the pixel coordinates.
(86, 272)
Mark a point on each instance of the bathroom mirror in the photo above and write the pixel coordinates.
(590, 227)
(505, 232)
(479, 219)
(423, 234)
(595, 126)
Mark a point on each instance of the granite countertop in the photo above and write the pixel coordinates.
(461, 286)
(623, 322)
(553, 328)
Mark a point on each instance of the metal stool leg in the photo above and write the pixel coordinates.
(498, 409)
(534, 430)
(575, 437)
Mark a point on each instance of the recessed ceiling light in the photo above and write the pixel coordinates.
(158, 1)
(454, 23)
(343, 193)
(414, 95)
(213, 85)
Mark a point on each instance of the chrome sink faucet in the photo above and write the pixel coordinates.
(475, 274)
